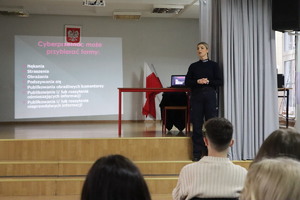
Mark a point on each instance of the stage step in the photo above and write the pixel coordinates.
(70, 186)
(74, 197)
(80, 168)
(76, 168)
(136, 149)
(66, 178)
(57, 167)
(54, 167)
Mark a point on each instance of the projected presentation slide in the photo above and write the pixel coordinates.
(58, 79)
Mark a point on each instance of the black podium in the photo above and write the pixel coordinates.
(175, 118)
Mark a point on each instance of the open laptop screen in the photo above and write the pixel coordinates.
(177, 80)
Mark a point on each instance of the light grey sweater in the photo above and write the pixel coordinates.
(210, 177)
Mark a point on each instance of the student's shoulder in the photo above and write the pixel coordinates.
(240, 168)
(190, 166)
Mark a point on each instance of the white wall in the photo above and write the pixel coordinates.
(168, 44)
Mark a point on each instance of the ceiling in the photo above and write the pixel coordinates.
(75, 7)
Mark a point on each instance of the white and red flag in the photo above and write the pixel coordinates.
(150, 81)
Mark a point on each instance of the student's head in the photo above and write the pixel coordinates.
(282, 142)
(114, 177)
(272, 179)
(219, 133)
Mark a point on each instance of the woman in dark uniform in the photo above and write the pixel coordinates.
(203, 77)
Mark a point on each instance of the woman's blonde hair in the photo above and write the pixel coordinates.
(273, 179)
(204, 44)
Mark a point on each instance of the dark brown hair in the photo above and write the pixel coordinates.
(282, 142)
(114, 177)
(219, 131)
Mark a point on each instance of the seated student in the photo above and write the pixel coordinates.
(213, 176)
(114, 177)
(281, 142)
(273, 179)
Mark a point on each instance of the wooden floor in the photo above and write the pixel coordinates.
(89, 129)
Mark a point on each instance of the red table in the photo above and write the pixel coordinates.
(286, 95)
(187, 90)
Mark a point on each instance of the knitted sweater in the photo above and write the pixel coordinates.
(210, 177)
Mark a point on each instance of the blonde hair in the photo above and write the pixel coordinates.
(204, 44)
(273, 179)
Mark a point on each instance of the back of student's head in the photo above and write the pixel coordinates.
(273, 179)
(219, 132)
(114, 177)
(282, 142)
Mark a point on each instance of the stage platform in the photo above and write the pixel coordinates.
(49, 160)
(83, 129)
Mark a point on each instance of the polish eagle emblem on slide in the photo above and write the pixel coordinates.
(73, 35)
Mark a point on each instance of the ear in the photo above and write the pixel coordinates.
(205, 141)
(231, 143)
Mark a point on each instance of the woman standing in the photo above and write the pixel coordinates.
(203, 77)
